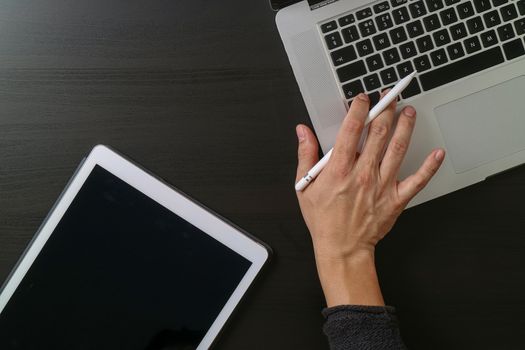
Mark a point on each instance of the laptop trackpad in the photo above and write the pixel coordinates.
(484, 126)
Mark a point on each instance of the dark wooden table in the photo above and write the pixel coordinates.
(193, 87)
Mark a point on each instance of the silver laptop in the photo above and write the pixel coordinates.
(469, 90)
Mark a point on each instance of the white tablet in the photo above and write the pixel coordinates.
(124, 261)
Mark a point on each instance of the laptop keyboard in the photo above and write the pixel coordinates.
(444, 40)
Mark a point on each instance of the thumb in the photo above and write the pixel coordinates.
(308, 151)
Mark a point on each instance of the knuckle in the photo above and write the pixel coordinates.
(399, 147)
(364, 178)
(379, 130)
(354, 126)
(339, 169)
(368, 162)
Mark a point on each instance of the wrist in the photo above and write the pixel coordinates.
(350, 280)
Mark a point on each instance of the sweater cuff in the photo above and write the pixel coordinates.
(357, 327)
(345, 309)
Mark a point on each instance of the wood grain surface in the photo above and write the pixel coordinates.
(201, 93)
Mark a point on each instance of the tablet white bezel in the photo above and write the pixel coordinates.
(168, 197)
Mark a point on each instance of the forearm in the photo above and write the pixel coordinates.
(356, 317)
(350, 281)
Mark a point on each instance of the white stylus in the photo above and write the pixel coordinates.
(374, 112)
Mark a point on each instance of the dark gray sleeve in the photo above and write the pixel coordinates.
(350, 327)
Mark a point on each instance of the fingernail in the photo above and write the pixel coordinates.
(301, 135)
(409, 111)
(363, 97)
(440, 154)
(384, 92)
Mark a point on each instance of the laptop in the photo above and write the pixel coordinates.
(469, 89)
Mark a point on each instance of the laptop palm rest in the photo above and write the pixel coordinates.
(485, 126)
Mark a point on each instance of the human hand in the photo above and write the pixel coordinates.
(354, 202)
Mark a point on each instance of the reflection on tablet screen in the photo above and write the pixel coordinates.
(120, 272)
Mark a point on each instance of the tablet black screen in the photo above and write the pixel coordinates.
(120, 272)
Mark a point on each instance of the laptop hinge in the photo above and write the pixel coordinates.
(314, 4)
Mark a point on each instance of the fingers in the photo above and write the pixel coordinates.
(308, 151)
(378, 133)
(413, 184)
(349, 134)
(398, 145)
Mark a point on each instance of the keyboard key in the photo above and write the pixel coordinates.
(333, 40)
(396, 3)
(398, 35)
(513, 49)
(422, 63)
(372, 82)
(491, 18)
(489, 38)
(472, 44)
(455, 51)
(364, 47)
(404, 69)
(415, 29)
(521, 7)
(520, 26)
(424, 43)
(462, 68)
(508, 12)
(475, 25)
(328, 27)
(408, 50)
(465, 10)
(381, 41)
(451, 2)
(384, 21)
(367, 28)
(391, 56)
(374, 98)
(438, 57)
(417, 9)
(374, 62)
(506, 32)
(458, 31)
(499, 2)
(344, 55)
(401, 15)
(441, 37)
(389, 76)
(411, 90)
(431, 22)
(434, 5)
(350, 34)
(351, 71)
(382, 6)
(364, 13)
(353, 89)
(346, 20)
(448, 16)
(482, 5)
